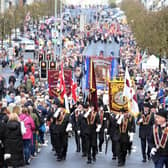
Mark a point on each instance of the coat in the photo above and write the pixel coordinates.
(145, 127)
(2, 137)
(113, 128)
(14, 144)
(29, 125)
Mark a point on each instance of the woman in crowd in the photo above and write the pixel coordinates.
(28, 136)
(13, 142)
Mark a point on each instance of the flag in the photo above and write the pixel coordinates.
(127, 85)
(129, 93)
(87, 72)
(61, 83)
(93, 89)
(114, 68)
(63, 89)
(73, 91)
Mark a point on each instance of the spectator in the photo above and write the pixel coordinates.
(29, 85)
(27, 137)
(13, 142)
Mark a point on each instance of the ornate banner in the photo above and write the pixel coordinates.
(53, 79)
(116, 100)
(102, 67)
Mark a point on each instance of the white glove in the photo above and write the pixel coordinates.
(7, 156)
(56, 114)
(69, 127)
(117, 116)
(78, 132)
(120, 119)
(105, 130)
(98, 128)
(87, 113)
(131, 136)
(141, 120)
(107, 136)
(153, 151)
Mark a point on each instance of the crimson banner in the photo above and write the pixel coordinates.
(53, 79)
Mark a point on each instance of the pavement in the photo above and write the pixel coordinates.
(94, 49)
(46, 158)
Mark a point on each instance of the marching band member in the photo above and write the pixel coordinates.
(126, 127)
(145, 121)
(75, 123)
(60, 133)
(92, 128)
(158, 140)
(114, 134)
(103, 122)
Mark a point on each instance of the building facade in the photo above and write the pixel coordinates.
(155, 5)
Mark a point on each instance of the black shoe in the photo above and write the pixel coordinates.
(27, 163)
(94, 159)
(121, 164)
(84, 155)
(144, 160)
(78, 150)
(100, 149)
(149, 158)
(64, 158)
(114, 158)
(89, 162)
(59, 159)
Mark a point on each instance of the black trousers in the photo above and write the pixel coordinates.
(91, 141)
(144, 142)
(61, 144)
(123, 147)
(77, 140)
(84, 146)
(101, 139)
(115, 147)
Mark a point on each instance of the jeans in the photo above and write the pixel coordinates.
(27, 149)
(33, 145)
(163, 160)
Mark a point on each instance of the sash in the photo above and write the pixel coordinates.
(123, 127)
(61, 119)
(101, 117)
(160, 142)
(146, 119)
(91, 118)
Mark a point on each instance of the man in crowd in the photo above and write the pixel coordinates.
(158, 140)
(145, 121)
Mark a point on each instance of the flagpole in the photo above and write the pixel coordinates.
(65, 95)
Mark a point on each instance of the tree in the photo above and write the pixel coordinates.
(149, 28)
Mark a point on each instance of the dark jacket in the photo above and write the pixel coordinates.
(75, 122)
(2, 137)
(145, 126)
(14, 144)
(161, 151)
(113, 128)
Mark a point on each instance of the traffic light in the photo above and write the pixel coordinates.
(41, 57)
(43, 69)
(52, 65)
(48, 57)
